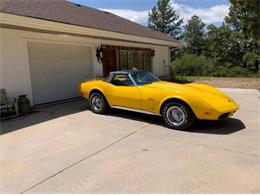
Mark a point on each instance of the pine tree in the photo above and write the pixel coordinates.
(194, 36)
(163, 18)
(244, 17)
(223, 46)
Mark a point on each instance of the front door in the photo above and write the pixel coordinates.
(109, 61)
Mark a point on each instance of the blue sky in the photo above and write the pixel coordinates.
(211, 11)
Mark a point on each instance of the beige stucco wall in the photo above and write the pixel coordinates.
(14, 64)
(14, 60)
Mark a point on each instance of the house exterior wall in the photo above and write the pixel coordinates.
(14, 59)
(14, 64)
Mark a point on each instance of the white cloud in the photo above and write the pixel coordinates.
(209, 15)
(214, 14)
(140, 17)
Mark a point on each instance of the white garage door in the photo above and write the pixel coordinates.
(57, 70)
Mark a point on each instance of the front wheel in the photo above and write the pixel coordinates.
(98, 103)
(178, 116)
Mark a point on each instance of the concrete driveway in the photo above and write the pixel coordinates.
(67, 149)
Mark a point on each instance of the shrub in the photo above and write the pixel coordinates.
(219, 71)
(192, 65)
(237, 71)
(250, 59)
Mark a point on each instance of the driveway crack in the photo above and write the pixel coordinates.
(83, 159)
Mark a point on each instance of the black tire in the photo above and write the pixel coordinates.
(98, 103)
(184, 114)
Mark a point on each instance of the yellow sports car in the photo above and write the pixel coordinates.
(138, 90)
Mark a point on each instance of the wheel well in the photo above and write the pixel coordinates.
(177, 101)
(95, 91)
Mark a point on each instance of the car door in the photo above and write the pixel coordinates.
(150, 98)
(122, 92)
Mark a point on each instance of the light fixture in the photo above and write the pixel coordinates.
(152, 53)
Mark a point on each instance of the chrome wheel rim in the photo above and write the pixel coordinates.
(175, 115)
(96, 102)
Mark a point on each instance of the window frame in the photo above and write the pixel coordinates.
(129, 76)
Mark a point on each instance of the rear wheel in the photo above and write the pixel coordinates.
(98, 103)
(178, 116)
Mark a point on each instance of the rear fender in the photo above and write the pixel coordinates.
(95, 89)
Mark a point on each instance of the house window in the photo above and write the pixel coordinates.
(123, 60)
(129, 59)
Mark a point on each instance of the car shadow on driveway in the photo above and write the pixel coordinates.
(47, 113)
(225, 126)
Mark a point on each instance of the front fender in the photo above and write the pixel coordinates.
(172, 97)
(198, 106)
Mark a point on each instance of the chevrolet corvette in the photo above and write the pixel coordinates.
(178, 104)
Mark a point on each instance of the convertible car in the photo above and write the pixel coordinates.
(139, 90)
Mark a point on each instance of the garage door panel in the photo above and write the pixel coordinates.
(59, 65)
(57, 70)
(57, 78)
(42, 97)
(46, 50)
(47, 81)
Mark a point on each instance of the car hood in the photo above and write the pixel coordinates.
(196, 90)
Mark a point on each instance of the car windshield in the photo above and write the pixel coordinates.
(144, 78)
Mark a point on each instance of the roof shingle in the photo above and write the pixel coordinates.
(70, 13)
